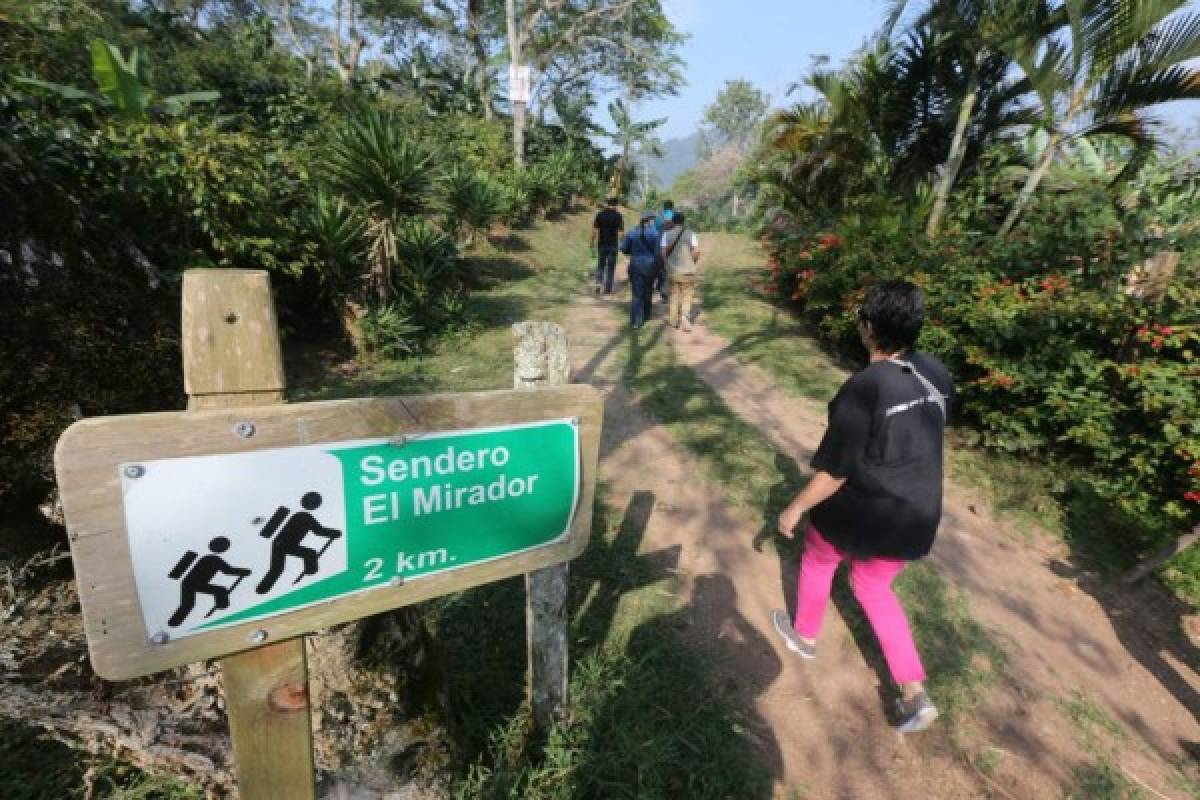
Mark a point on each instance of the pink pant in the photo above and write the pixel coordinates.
(871, 580)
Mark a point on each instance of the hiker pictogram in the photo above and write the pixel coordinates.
(289, 541)
(196, 578)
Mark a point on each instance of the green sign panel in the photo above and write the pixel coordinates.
(222, 539)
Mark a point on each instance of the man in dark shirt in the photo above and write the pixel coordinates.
(876, 494)
(606, 235)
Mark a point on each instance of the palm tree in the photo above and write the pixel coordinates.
(1120, 58)
(630, 135)
(970, 34)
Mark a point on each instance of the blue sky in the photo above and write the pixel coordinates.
(768, 42)
(771, 43)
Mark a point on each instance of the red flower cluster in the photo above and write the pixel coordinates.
(1155, 335)
(1055, 283)
(998, 379)
(829, 241)
(1193, 496)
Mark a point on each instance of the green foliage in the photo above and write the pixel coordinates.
(1102, 781)
(1050, 360)
(387, 332)
(124, 85)
(472, 203)
(374, 162)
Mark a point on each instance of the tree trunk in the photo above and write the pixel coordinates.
(955, 158)
(1031, 185)
(514, 49)
(482, 80)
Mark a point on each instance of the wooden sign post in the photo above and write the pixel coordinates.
(541, 359)
(234, 528)
(232, 357)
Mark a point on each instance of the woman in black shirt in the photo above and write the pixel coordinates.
(876, 494)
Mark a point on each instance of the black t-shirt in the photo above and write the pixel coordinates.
(885, 438)
(609, 224)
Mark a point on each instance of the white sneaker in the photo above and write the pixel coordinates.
(916, 714)
(783, 626)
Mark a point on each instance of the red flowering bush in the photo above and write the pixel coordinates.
(1049, 358)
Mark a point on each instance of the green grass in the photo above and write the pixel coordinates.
(759, 331)
(646, 721)
(1093, 726)
(1102, 781)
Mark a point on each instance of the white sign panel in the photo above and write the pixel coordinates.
(520, 84)
(201, 529)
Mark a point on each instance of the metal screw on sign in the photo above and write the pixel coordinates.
(244, 429)
(135, 471)
(259, 636)
(396, 581)
(160, 638)
(231, 317)
(398, 441)
(575, 421)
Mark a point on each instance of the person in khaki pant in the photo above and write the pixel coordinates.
(681, 255)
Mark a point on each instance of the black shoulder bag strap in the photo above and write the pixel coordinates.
(675, 244)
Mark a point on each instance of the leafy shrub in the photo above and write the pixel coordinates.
(375, 161)
(1051, 360)
(472, 203)
(387, 332)
(516, 204)
(429, 271)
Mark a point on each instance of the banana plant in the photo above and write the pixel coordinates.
(124, 85)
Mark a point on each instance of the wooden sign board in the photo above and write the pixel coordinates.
(203, 533)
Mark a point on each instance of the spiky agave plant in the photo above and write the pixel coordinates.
(375, 166)
(427, 265)
(339, 231)
(473, 202)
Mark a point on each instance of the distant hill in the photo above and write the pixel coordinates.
(679, 155)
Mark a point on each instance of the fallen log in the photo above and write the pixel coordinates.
(1162, 556)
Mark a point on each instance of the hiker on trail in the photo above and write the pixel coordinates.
(681, 257)
(875, 496)
(196, 577)
(641, 245)
(289, 541)
(661, 223)
(606, 235)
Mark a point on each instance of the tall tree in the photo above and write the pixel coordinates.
(608, 36)
(734, 116)
(1117, 59)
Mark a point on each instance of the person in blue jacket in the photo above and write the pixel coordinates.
(641, 245)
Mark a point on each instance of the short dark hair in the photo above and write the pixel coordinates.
(678, 218)
(668, 205)
(896, 311)
(612, 201)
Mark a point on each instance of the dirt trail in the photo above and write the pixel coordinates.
(820, 725)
